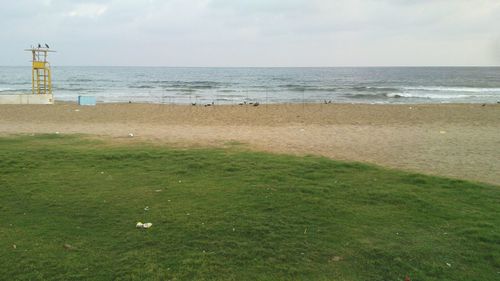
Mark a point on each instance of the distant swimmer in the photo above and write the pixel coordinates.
(39, 46)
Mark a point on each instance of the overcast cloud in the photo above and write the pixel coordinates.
(254, 32)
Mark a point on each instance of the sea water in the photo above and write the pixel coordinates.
(266, 85)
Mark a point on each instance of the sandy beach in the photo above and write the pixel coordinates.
(454, 140)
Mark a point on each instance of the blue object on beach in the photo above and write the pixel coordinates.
(86, 100)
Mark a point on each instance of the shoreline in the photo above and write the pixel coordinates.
(288, 103)
(453, 140)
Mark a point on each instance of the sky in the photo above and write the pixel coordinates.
(227, 33)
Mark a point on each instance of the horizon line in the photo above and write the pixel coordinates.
(340, 66)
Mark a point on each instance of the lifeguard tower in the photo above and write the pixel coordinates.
(41, 80)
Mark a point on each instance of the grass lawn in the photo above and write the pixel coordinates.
(69, 205)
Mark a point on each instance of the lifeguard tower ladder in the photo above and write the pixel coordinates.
(41, 82)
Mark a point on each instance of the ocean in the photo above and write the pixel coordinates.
(380, 85)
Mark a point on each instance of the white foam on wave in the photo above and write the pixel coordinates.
(453, 89)
(432, 96)
(445, 93)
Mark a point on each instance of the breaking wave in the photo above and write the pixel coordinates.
(421, 92)
(141, 87)
(453, 89)
(435, 96)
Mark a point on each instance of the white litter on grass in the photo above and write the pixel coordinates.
(77, 110)
(442, 132)
(449, 265)
(336, 258)
(57, 133)
(146, 208)
(131, 135)
(143, 225)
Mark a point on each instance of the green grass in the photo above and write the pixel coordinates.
(231, 214)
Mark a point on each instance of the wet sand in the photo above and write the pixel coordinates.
(454, 140)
